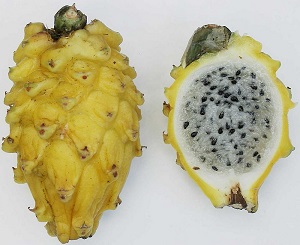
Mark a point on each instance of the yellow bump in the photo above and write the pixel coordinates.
(20, 72)
(114, 39)
(63, 167)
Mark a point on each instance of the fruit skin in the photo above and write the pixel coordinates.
(238, 198)
(74, 123)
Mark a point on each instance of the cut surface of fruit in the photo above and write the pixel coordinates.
(74, 121)
(227, 115)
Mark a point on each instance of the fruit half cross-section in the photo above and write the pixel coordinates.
(74, 121)
(227, 115)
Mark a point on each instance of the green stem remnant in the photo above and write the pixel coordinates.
(207, 39)
(67, 20)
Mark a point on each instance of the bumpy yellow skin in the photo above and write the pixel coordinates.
(244, 45)
(74, 123)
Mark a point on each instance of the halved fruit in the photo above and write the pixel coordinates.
(227, 115)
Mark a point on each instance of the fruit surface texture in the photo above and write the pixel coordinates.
(74, 121)
(227, 115)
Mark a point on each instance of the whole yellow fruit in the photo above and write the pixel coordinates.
(74, 121)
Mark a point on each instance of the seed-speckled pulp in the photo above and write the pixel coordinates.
(227, 116)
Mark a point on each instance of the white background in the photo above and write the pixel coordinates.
(161, 204)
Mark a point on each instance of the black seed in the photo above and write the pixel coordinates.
(220, 92)
(234, 99)
(233, 81)
(267, 120)
(214, 72)
(221, 68)
(220, 130)
(261, 93)
(228, 103)
(185, 125)
(240, 153)
(231, 131)
(268, 100)
(241, 108)
(238, 72)
(228, 164)
(194, 134)
(196, 81)
(244, 98)
(253, 75)
(248, 165)
(224, 88)
(213, 140)
(204, 98)
(227, 126)
(237, 78)
(227, 95)
(202, 158)
(188, 104)
(230, 78)
(211, 99)
(239, 92)
(224, 74)
(221, 115)
(202, 110)
(255, 139)
(214, 168)
(254, 87)
(240, 160)
(208, 132)
(256, 106)
(253, 120)
(255, 153)
(218, 102)
(265, 136)
(214, 150)
(213, 87)
(208, 76)
(258, 157)
(254, 99)
(241, 124)
(206, 83)
(243, 135)
(235, 146)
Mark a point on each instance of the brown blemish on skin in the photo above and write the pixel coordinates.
(51, 63)
(10, 140)
(42, 131)
(236, 197)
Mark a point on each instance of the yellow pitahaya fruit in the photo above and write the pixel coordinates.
(227, 115)
(74, 121)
